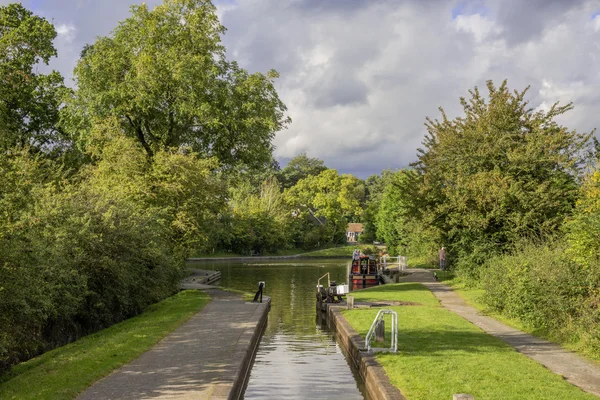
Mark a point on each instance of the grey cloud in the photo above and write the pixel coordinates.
(527, 20)
(338, 90)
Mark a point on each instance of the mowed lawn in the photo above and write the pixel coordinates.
(440, 354)
(64, 372)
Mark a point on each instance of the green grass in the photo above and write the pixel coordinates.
(407, 292)
(441, 354)
(64, 372)
(474, 297)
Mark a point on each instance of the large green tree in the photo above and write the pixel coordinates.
(29, 101)
(329, 199)
(164, 75)
(499, 173)
(300, 167)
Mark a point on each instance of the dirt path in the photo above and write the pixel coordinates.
(574, 368)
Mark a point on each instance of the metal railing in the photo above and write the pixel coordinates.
(394, 340)
(401, 262)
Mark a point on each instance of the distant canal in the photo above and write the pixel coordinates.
(297, 358)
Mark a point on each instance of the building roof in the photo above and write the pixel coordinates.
(354, 227)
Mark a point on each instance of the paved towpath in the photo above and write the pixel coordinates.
(574, 368)
(205, 358)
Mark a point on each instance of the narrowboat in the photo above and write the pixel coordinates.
(364, 272)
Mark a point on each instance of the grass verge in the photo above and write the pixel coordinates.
(64, 372)
(474, 297)
(407, 292)
(440, 353)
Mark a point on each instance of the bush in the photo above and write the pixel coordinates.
(539, 285)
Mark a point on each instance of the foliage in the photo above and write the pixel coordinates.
(29, 101)
(65, 372)
(540, 286)
(300, 167)
(163, 75)
(375, 186)
(583, 229)
(328, 199)
(76, 256)
(497, 174)
(260, 221)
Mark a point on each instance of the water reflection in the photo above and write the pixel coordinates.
(297, 357)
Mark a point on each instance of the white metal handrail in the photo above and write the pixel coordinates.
(400, 261)
(394, 344)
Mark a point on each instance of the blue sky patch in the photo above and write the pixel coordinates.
(594, 15)
(469, 8)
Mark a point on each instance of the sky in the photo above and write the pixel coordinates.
(359, 77)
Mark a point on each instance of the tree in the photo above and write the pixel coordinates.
(298, 168)
(261, 221)
(29, 101)
(375, 186)
(164, 76)
(500, 173)
(329, 199)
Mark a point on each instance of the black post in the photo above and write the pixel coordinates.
(259, 293)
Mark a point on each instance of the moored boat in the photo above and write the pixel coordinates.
(364, 272)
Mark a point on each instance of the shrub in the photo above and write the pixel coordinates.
(541, 286)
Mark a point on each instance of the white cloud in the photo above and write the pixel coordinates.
(477, 25)
(66, 32)
(596, 23)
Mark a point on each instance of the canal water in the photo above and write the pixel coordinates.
(297, 357)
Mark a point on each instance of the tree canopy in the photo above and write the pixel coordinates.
(298, 168)
(29, 101)
(163, 74)
(501, 172)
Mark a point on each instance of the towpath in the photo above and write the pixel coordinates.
(208, 357)
(574, 368)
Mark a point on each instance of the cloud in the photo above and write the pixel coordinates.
(359, 77)
(66, 32)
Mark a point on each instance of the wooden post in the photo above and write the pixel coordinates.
(350, 302)
(380, 331)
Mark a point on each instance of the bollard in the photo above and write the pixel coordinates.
(259, 293)
(380, 331)
(350, 302)
(462, 396)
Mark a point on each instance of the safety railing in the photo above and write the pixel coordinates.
(401, 262)
(394, 328)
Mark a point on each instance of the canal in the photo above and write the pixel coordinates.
(297, 358)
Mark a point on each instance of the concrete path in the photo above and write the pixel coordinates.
(574, 368)
(208, 357)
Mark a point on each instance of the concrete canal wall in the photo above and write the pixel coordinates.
(246, 348)
(377, 384)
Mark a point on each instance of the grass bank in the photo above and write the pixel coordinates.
(64, 372)
(474, 297)
(440, 353)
